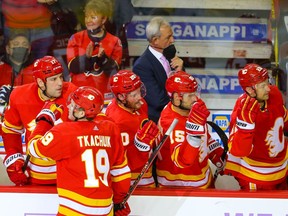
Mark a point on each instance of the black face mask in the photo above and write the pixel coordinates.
(19, 54)
(95, 31)
(91, 34)
(169, 52)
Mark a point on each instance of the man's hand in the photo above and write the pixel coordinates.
(14, 164)
(121, 211)
(247, 113)
(50, 112)
(146, 135)
(177, 63)
(195, 125)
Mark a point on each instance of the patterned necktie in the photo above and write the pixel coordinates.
(166, 65)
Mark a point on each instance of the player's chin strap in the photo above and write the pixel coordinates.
(180, 106)
(123, 103)
(264, 102)
(45, 92)
(77, 118)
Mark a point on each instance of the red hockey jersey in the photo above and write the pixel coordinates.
(24, 105)
(129, 122)
(91, 166)
(267, 161)
(77, 47)
(172, 167)
(24, 77)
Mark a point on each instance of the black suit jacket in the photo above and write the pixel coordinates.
(153, 75)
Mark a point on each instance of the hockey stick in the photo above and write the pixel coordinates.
(147, 165)
(26, 163)
(224, 140)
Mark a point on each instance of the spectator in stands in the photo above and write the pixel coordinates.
(92, 170)
(258, 149)
(183, 159)
(15, 67)
(156, 63)
(130, 112)
(93, 55)
(17, 63)
(31, 18)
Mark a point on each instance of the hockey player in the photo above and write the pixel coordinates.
(129, 110)
(183, 159)
(91, 167)
(25, 103)
(94, 54)
(258, 149)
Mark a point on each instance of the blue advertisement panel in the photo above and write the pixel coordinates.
(215, 84)
(222, 120)
(204, 31)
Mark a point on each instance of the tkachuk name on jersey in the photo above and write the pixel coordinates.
(96, 140)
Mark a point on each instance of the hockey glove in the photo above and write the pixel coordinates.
(14, 164)
(195, 125)
(124, 211)
(215, 155)
(50, 112)
(247, 113)
(145, 136)
(5, 91)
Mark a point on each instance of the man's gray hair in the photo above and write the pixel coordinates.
(153, 27)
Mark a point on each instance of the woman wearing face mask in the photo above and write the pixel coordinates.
(93, 55)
